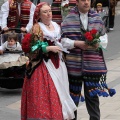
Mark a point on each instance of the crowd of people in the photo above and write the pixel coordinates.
(61, 57)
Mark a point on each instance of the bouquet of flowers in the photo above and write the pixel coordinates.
(34, 40)
(26, 43)
(92, 37)
(65, 8)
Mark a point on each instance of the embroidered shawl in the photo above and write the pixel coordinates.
(72, 31)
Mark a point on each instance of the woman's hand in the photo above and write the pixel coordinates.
(54, 49)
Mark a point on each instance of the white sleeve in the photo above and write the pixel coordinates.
(30, 23)
(67, 43)
(19, 47)
(104, 40)
(3, 46)
(5, 12)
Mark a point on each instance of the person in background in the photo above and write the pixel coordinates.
(45, 93)
(17, 14)
(100, 10)
(85, 62)
(1, 2)
(11, 44)
(58, 7)
(113, 3)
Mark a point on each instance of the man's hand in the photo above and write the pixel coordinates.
(6, 28)
(23, 29)
(96, 46)
(81, 44)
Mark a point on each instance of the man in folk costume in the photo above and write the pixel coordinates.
(18, 14)
(57, 9)
(85, 63)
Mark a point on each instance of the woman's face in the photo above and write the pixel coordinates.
(45, 13)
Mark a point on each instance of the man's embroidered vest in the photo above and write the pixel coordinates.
(14, 18)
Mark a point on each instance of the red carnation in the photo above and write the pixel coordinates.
(26, 43)
(92, 37)
(88, 36)
(93, 31)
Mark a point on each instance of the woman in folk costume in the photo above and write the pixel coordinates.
(60, 9)
(18, 14)
(85, 62)
(45, 93)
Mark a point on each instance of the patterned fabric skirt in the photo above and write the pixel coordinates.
(39, 97)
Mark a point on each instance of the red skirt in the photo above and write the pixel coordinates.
(40, 99)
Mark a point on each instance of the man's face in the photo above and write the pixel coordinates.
(19, 1)
(83, 5)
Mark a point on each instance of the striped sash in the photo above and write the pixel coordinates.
(93, 62)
